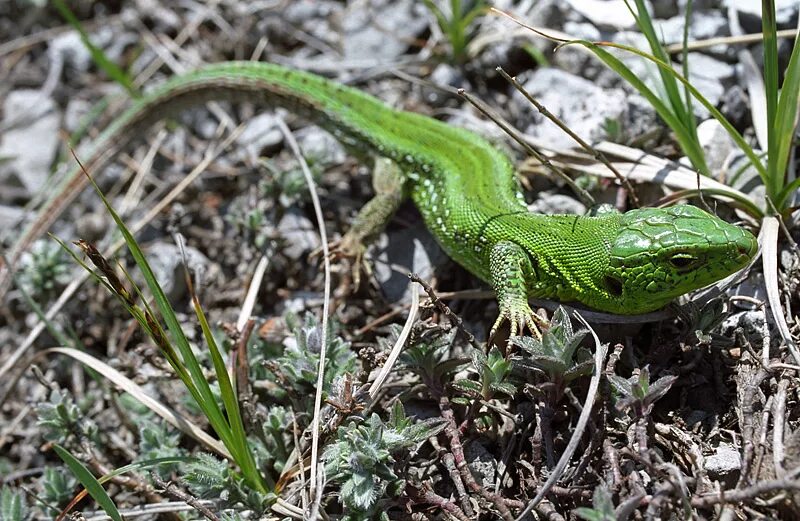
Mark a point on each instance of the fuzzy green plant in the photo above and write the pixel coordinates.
(60, 418)
(361, 460)
(637, 393)
(493, 371)
(557, 354)
(13, 506)
(44, 270)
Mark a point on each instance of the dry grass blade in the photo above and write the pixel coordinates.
(398, 346)
(252, 293)
(315, 422)
(769, 241)
(740, 39)
(127, 385)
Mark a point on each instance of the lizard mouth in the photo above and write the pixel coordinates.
(613, 285)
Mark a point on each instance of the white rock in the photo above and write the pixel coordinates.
(31, 141)
(724, 463)
(580, 104)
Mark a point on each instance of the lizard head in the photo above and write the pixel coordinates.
(661, 253)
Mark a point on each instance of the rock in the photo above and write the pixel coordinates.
(784, 8)
(605, 13)
(260, 134)
(574, 58)
(70, 48)
(363, 39)
(717, 144)
(408, 250)
(548, 13)
(702, 25)
(724, 465)
(299, 233)
(710, 76)
(580, 104)
(556, 203)
(9, 216)
(76, 110)
(166, 262)
(481, 463)
(735, 106)
(447, 76)
(665, 8)
(320, 146)
(31, 141)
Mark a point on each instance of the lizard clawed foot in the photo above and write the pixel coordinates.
(519, 316)
(352, 251)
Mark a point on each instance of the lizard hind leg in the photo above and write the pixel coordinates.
(388, 181)
(511, 271)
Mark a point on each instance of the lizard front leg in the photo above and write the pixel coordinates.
(388, 182)
(511, 271)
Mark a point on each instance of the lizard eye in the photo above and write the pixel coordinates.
(682, 261)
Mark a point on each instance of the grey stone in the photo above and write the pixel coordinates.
(262, 132)
(702, 25)
(10, 216)
(408, 250)
(664, 8)
(717, 144)
(362, 39)
(556, 203)
(320, 146)
(166, 262)
(580, 104)
(790, 261)
(70, 48)
(724, 464)
(31, 141)
(605, 13)
(299, 233)
(447, 76)
(481, 463)
(710, 76)
(754, 8)
(74, 113)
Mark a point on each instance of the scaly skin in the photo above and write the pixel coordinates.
(466, 191)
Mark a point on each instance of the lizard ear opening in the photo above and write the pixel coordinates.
(613, 285)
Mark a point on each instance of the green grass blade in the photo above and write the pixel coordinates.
(769, 30)
(206, 400)
(645, 24)
(89, 482)
(231, 403)
(740, 142)
(785, 124)
(783, 196)
(690, 146)
(98, 56)
(145, 464)
(687, 97)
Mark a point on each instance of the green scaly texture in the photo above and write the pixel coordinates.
(466, 192)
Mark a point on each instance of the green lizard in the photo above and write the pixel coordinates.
(466, 191)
